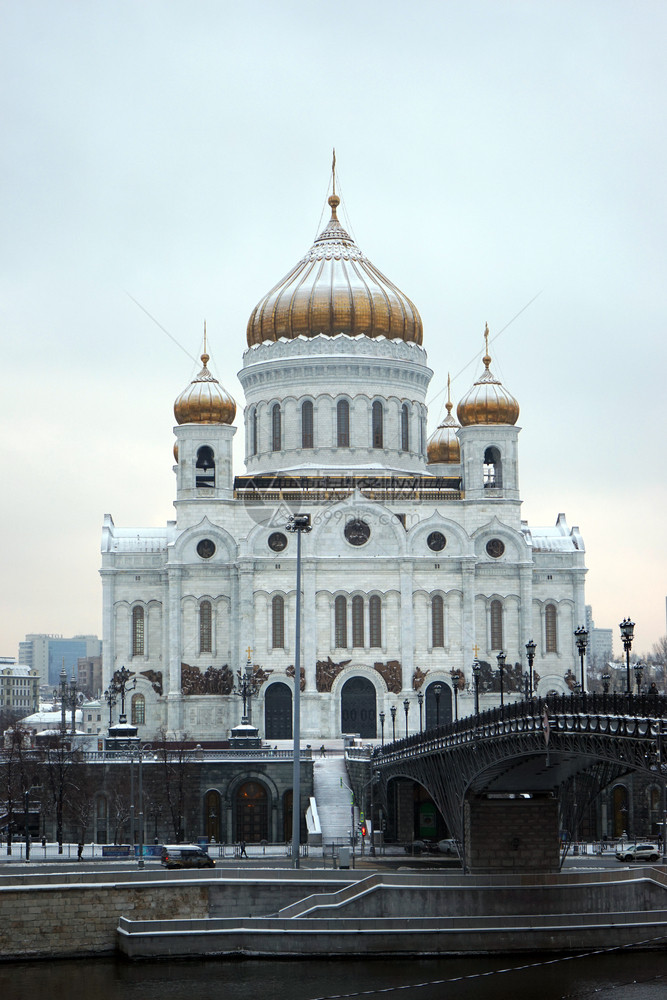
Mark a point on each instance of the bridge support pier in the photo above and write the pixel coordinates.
(511, 834)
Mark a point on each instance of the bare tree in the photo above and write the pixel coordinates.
(59, 767)
(16, 775)
(176, 770)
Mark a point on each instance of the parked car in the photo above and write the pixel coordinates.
(185, 856)
(637, 852)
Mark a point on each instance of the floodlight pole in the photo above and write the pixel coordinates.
(297, 523)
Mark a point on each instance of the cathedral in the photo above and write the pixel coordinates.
(418, 567)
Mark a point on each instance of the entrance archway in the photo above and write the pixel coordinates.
(357, 708)
(444, 713)
(278, 712)
(252, 813)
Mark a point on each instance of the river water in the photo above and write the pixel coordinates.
(605, 976)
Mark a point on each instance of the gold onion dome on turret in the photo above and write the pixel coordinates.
(334, 289)
(488, 402)
(204, 401)
(443, 445)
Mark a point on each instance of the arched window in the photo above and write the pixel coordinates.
(493, 478)
(375, 620)
(550, 629)
(278, 622)
(307, 424)
(422, 435)
(137, 631)
(138, 710)
(253, 433)
(205, 476)
(252, 813)
(378, 420)
(405, 428)
(437, 621)
(275, 428)
(343, 423)
(340, 624)
(496, 625)
(358, 621)
(205, 627)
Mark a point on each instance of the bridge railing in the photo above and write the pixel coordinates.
(628, 711)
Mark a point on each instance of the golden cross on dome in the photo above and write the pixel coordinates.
(333, 170)
(486, 337)
(475, 650)
(249, 652)
(204, 336)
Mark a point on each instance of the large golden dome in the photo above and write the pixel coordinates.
(204, 401)
(488, 402)
(443, 445)
(334, 289)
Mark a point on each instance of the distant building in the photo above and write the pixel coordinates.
(600, 642)
(19, 689)
(89, 676)
(47, 654)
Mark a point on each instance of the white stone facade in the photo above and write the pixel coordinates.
(411, 570)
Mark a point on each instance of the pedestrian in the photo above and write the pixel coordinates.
(44, 842)
(242, 852)
(80, 851)
(323, 752)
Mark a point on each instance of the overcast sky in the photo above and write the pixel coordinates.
(178, 154)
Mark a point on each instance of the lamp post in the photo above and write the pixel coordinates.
(382, 718)
(406, 709)
(392, 711)
(530, 653)
(606, 678)
(420, 699)
(456, 680)
(297, 523)
(111, 696)
(476, 671)
(639, 673)
(627, 628)
(501, 667)
(581, 638)
(374, 776)
(26, 816)
(437, 691)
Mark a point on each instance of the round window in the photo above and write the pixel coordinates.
(277, 541)
(436, 541)
(495, 548)
(206, 548)
(357, 532)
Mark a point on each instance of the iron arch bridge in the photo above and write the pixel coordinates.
(566, 747)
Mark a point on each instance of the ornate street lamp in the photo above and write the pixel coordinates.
(639, 673)
(298, 523)
(606, 678)
(476, 671)
(501, 667)
(111, 696)
(437, 691)
(627, 628)
(392, 711)
(420, 699)
(456, 680)
(530, 653)
(382, 718)
(581, 638)
(406, 709)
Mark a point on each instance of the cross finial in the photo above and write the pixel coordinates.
(475, 650)
(333, 170)
(487, 358)
(249, 652)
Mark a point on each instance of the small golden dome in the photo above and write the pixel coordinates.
(334, 289)
(204, 401)
(443, 445)
(488, 402)
(176, 451)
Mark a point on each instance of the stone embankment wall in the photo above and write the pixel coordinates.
(73, 915)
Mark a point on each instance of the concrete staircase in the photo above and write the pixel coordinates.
(333, 801)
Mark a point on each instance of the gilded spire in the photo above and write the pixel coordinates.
(487, 357)
(334, 200)
(443, 445)
(205, 355)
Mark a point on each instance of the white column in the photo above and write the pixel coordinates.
(309, 618)
(468, 638)
(407, 626)
(173, 690)
(108, 626)
(526, 612)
